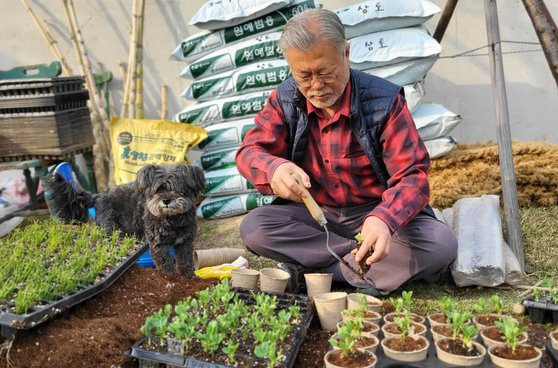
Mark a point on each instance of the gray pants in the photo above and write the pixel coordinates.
(421, 250)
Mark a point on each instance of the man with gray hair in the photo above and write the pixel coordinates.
(352, 140)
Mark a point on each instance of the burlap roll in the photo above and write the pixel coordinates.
(216, 256)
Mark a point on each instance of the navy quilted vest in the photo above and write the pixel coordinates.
(372, 99)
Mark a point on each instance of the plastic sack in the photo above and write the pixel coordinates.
(249, 78)
(434, 120)
(378, 49)
(406, 72)
(226, 181)
(231, 108)
(233, 205)
(226, 135)
(216, 14)
(223, 271)
(381, 15)
(441, 146)
(220, 159)
(413, 95)
(204, 42)
(253, 50)
(480, 252)
(138, 142)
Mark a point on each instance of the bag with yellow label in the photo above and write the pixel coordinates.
(139, 142)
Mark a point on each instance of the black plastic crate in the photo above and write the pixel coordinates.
(38, 87)
(293, 341)
(541, 311)
(11, 323)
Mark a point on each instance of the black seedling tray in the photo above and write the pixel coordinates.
(541, 311)
(10, 323)
(284, 300)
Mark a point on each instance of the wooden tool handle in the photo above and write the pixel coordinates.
(310, 203)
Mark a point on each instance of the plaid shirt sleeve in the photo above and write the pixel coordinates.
(264, 147)
(407, 161)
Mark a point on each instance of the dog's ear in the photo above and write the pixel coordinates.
(147, 176)
(191, 177)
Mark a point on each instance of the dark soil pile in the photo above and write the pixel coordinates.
(99, 332)
(473, 170)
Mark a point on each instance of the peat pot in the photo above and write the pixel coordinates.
(366, 359)
(274, 280)
(374, 304)
(456, 359)
(245, 278)
(329, 307)
(318, 283)
(495, 353)
(415, 355)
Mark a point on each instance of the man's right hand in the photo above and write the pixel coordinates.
(285, 186)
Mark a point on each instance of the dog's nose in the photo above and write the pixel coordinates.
(167, 202)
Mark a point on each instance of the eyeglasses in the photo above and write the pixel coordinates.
(323, 78)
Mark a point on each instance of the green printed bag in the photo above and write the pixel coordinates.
(228, 206)
(250, 78)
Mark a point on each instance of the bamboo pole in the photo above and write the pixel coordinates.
(139, 64)
(547, 32)
(131, 64)
(98, 116)
(49, 39)
(163, 101)
(444, 20)
(507, 171)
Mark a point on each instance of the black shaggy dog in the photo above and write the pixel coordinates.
(159, 207)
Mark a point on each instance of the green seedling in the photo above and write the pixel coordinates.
(230, 350)
(481, 306)
(398, 304)
(212, 338)
(405, 324)
(407, 299)
(346, 337)
(468, 333)
(457, 321)
(268, 350)
(497, 304)
(511, 331)
(447, 305)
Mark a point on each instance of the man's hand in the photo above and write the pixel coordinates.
(377, 236)
(285, 186)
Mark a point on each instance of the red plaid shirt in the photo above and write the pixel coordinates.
(340, 172)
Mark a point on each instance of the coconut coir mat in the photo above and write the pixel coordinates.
(474, 170)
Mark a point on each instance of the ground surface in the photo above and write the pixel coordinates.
(100, 331)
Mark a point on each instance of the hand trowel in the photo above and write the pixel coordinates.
(319, 216)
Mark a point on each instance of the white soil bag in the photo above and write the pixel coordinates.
(382, 15)
(413, 95)
(226, 135)
(434, 120)
(441, 146)
(228, 206)
(378, 49)
(220, 159)
(204, 42)
(217, 14)
(253, 50)
(226, 181)
(231, 108)
(250, 78)
(407, 72)
(480, 252)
